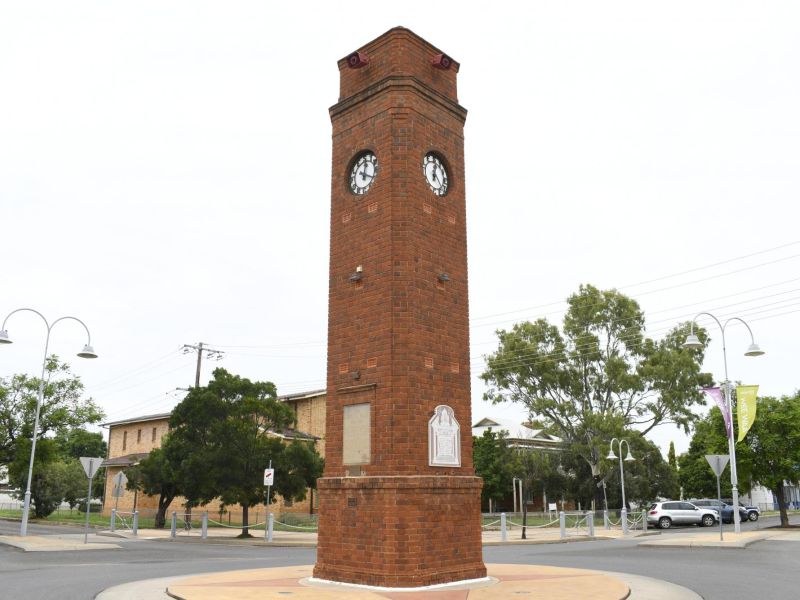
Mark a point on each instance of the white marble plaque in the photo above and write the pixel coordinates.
(444, 438)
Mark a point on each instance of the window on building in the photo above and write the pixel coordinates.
(139, 436)
(124, 440)
(154, 435)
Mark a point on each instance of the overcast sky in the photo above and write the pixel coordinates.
(165, 177)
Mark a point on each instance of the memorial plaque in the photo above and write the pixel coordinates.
(356, 430)
(444, 438)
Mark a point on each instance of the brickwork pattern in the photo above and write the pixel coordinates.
(401, 334)
(400, 531)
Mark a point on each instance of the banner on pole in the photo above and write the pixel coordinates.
(717, 396)
(745, 408)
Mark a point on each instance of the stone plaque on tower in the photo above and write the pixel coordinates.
(399, 500)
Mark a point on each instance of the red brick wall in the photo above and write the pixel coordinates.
(399, 317)
(399, 338)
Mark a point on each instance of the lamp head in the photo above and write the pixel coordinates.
(4, 339)
(692, 342)
(754, 350)
(611, 455)
(629, 457)
(87, 352)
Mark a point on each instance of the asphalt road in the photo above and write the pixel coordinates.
(763, 570)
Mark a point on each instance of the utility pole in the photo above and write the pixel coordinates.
(201, 348)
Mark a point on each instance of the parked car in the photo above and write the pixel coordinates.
(753, 512)
(674, 512)
(724, 509)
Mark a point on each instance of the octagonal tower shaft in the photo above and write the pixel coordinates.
(398, 328)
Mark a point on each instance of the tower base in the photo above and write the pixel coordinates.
(404, 531)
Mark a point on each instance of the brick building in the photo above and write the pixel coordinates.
(131, 440)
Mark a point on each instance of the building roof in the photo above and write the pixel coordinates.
(301, 395)
(157, 417)
(516, 432)
(126, 460)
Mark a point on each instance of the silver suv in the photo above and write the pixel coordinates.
(674, 512)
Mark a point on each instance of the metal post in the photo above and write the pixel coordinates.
(693, 342)
(735, 508)
(644, 520)
(113, 519)
(136, 522)
(503, 530)
(88, 505)
(514, 491)
(87, 352)
(606, 524)
(590, 522)
(270, 523)
(204, 526)
(562, 524)
(624, 519)
(174, 530)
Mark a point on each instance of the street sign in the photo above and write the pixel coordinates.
(269, 477)
(120, 479)
(718, 462)
(90, 465)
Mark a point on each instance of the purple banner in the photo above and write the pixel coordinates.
(717, 396)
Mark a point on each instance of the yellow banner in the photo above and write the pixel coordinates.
(745, 408)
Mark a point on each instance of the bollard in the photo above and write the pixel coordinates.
(624, 519)
(204, 526)
(113, 519)
(606, 524)
(562, 523)
(503, 530)
(136, 522)
(644, 520)
(590, 522)
(174, 530)
(271, 521)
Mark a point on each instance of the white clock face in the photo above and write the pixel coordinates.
(363, 173)
(435, 174)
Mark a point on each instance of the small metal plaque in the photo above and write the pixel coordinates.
(351, 503)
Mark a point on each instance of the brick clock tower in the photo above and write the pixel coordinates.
(399, 500)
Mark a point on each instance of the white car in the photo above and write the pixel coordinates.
(675, 512)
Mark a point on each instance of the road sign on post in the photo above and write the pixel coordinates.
(269, 477)
(718, 463)
(90, 466)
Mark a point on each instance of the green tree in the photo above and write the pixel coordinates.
(55, 478)
(224, 433)
(493, 461)
(77, 442)
(155, 476)
(598, 374)
(534, 467)
(63, 407)
(695, 475)
(773, 447)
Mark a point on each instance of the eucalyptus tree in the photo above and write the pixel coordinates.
(598, 373)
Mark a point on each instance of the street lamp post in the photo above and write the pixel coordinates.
(87, 352)
(612, 456)
(692, 341)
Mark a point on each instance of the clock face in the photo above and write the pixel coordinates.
(363, 173)
(435, 174)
